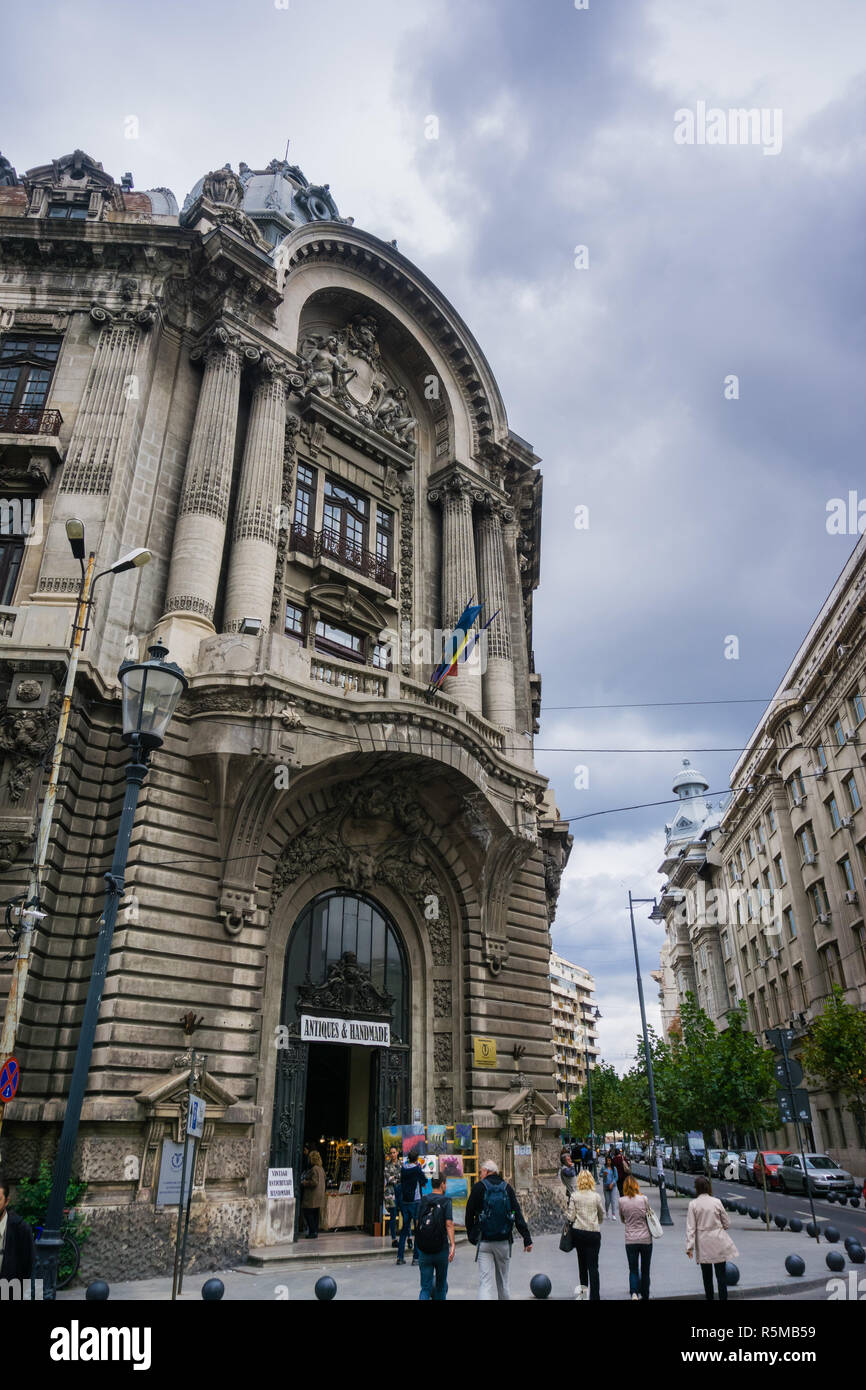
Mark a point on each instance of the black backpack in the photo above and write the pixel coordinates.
(497, 1218)
(430, 1231)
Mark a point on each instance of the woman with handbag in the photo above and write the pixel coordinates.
(707, 1239)
(641, 1224)
(584, 1215)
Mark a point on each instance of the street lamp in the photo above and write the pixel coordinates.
(655, 916)
(27, 920)
(150, 692)
(596, 1013)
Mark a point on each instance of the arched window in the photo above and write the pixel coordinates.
(335, 922)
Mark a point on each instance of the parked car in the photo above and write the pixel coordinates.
(772, 1160)
(747, 1159)
(822, 1176)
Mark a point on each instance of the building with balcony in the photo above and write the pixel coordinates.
(575, 1032)
(305, 434)
(764, 903)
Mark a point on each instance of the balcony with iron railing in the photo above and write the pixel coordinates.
(327, 545)
(30, 420)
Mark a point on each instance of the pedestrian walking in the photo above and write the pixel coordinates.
(619, 1165)
(434, 1241)
(707, 1239)
(313, 1183)
(633, 1209)
(16, 1239)
(492, 1212)
(585, 1211)
(611, 1191)
(392, 1194)
(584, 1155)
(413, 1180)
(568, 1172)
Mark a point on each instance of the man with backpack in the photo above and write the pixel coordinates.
(492, 1212)
(434, 1241)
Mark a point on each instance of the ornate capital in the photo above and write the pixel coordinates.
(123, 318)
(223, 343)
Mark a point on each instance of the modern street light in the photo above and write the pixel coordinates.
(656, 915)
(150, 691)
(30, 914)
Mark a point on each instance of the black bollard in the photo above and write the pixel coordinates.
(540, 1286)
(732, 1274)
(326, 1288)
(98, 1290)
(212, 1290)
(795, 1265)
(835, 1260)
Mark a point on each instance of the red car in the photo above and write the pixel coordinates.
(772, 1160)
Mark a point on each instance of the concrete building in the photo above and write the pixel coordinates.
(308, 438)
(765, 902)
(575, 1032)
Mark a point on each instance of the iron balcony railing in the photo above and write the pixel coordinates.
(24, 420)
(327, 544)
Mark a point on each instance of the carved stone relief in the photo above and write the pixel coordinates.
(346, 367)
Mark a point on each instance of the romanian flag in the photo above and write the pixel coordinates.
(459, 645)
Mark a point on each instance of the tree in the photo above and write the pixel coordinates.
(747, 1081)
(834, 1055)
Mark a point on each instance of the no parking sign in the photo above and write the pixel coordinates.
(10, 1075)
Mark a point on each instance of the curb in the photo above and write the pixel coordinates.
(738, 1295)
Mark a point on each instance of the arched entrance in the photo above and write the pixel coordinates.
(344, 1072)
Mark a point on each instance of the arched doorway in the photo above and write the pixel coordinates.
(344, 1071)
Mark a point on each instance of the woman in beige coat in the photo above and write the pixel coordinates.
(707, 1237)
(313, 1199)
(585, 1211)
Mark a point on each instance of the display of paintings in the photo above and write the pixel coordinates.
(392, 1138)
(463, 1138)
(430, 1164)
(414, 1143)
(457, 1189)
(451, 1165)
(436, 1141)
(458, 1212)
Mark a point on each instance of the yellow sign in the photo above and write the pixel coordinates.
(485, 1052)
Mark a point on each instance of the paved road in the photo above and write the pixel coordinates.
(849, 1221)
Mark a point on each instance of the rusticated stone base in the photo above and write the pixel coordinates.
(544, 1207)
(136, 1242)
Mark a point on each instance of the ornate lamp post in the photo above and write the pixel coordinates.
(596, 1013)
(150, 692)
(655, 916)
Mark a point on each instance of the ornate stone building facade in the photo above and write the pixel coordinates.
(763, 901)
(305, 434)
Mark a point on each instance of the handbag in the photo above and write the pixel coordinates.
(566, 1240)
(652, 1221)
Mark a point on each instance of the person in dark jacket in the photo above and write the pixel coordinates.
(619, 1165)
(413, 1180)
(494, 1247)
(16, 1240)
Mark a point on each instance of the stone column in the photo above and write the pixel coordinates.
(250, 585)
(199, 537)
(459, 578)
(498, 678)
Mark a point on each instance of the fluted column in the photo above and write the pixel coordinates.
(459, 577)
(250, 585)
(200, 533)
(498, 677)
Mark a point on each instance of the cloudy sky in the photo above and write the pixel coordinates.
(554, 129)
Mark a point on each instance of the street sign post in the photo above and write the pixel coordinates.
(794, 1105)
(195, 1117)
(793, 1102)
(794, 1068)
(10, 1075)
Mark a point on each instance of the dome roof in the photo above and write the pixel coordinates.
(278, 199)
(689, 777)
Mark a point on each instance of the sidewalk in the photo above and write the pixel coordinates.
(673, 1276)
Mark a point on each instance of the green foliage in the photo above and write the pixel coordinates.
(834, 1054)
(31, 1200)
(705, 1079)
